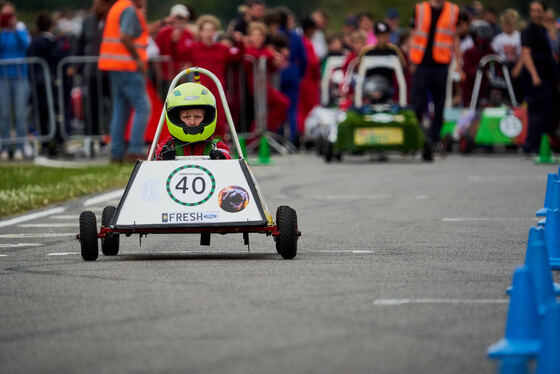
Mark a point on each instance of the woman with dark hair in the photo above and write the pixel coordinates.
(541, 81)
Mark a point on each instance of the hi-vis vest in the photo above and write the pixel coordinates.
(444, 34)
(113, 55)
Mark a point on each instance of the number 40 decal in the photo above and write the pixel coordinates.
(196, 182)
(190, 185)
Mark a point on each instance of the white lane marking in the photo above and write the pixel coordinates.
(422, 197)
(42, 225)
(482, 219)
(32, 216)
(65, 217)
(3, 255)
(350, 197)
(18, 245)
(390, 302)
(43, 161)
(38, 235)
(102, 198)
(348, 252)
(63, 254)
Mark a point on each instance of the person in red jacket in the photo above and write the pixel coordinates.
(191, 120)
(277, 103)
(208, 54)
(310, 93)
(169, 37)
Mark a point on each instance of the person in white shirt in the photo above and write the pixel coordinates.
(507, 44)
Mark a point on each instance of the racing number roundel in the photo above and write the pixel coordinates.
(511, 126)
(190, 185)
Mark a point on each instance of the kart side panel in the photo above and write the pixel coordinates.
(190, 194)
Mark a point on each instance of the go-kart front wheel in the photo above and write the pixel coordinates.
(88, 236)
(110, 243)
(286, 241)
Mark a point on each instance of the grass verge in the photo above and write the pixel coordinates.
(27, 187)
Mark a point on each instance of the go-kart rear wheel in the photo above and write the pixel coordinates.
(286, 242)
(110, 243)
(328, 151)
(427, 152)
(447, 143)
(466, 143)
(88, 236)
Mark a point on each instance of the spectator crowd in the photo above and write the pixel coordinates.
(295, 49)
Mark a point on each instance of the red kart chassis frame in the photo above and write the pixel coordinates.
(268, 230)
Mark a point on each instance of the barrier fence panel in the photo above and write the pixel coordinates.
(85, 94)
(87, 89)
(24, 81)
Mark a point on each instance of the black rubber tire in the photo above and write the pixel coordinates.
(466, 144)
(447, 143)
(427, 152)
(110, 243)
(286, 242)
(328, 151)
(88, 236)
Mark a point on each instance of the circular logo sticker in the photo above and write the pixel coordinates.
(190, 185)
(511, 126)
(233, 199)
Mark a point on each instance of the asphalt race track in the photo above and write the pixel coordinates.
(402, 267)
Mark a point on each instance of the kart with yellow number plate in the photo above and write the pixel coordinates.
(375, 123)
(190, 195)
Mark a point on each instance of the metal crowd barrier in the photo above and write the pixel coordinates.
(260, 108)
(34, 118)
(90, 93)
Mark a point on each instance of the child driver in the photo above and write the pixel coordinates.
(191, 120)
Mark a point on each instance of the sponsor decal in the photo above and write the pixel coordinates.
(378, 136)
(190, 185)
(379, 117)
(191, 98)
(233, 199)
(188, 217)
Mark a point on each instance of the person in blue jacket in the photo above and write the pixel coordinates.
(292, 75)
(14, 86)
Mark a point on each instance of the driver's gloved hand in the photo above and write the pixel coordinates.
(217, 155)
(168, 151)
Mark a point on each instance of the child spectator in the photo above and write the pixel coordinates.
(211, 55)
(277, 103)
(191, 119)
(365, 24)
(507, 44)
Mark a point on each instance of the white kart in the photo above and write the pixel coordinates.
(193, 195)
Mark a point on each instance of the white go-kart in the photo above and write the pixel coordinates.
(191, 195)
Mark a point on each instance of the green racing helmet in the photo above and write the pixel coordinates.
(190, 96)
